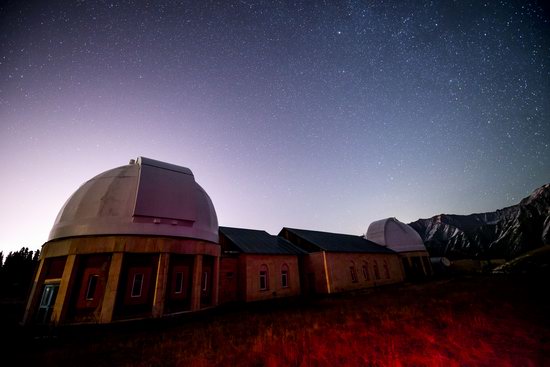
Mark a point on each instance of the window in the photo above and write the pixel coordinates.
(263, 277)
(353, 272)
(366, 271)
(137, 284)
(92, 285)
(205, 281)
(284, 276)
(376, 271)
(178, 288)
(386, 269)
(46, 299)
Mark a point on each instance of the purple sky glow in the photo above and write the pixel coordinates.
(320, 115)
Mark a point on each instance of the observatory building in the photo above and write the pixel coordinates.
(337, 262)
(404, 240)
(142, 241)
(136, 241)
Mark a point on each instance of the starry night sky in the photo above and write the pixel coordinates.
(321, 115)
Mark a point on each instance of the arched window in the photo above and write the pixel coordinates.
(366, 271)
(376, 271)
(284, 276)
(264, 277)
(353, 272)
(386, 269)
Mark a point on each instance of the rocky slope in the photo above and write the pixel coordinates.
(506, 233)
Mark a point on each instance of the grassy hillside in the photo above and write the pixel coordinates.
(535, 262)
(477, 321)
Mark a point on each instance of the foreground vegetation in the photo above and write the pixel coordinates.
(16, 271)
(476, 321)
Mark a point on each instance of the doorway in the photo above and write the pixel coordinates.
(47, 302)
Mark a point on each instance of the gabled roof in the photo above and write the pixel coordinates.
(252, 241)
(338, 242)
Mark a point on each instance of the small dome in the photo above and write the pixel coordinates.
(146, 197)
(395, 235)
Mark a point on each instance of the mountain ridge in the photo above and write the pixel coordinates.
(504, 233)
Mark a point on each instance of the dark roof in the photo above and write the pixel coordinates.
(338, 242)
(252, 241)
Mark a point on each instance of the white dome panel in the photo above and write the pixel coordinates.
(395, 235)
(144, 198)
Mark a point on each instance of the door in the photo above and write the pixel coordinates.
(47, 301)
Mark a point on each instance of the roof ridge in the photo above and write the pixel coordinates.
(246, 229)
(314, 230)
(259, 241)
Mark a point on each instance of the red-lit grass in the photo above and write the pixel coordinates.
(467, 322)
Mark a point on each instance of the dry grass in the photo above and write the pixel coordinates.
(466, 322)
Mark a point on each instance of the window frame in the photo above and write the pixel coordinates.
(353, 272)
(91, 288)
(366, 274)
(178, 286)
(264, 275)
(132, 294)
(284, 276)
(204, 281)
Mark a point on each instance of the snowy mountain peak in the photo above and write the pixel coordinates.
(504, 233)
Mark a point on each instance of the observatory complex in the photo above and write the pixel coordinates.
(143, 241)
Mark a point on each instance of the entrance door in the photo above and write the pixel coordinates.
(46, 303)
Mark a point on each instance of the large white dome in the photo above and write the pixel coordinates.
(146, 197)
(395, 235)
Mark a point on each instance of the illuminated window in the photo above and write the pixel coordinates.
(284, 276)
(179, 283)
(263, 277)
(353, 272)
(92, 284)
(137, 284)
(376, 271)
